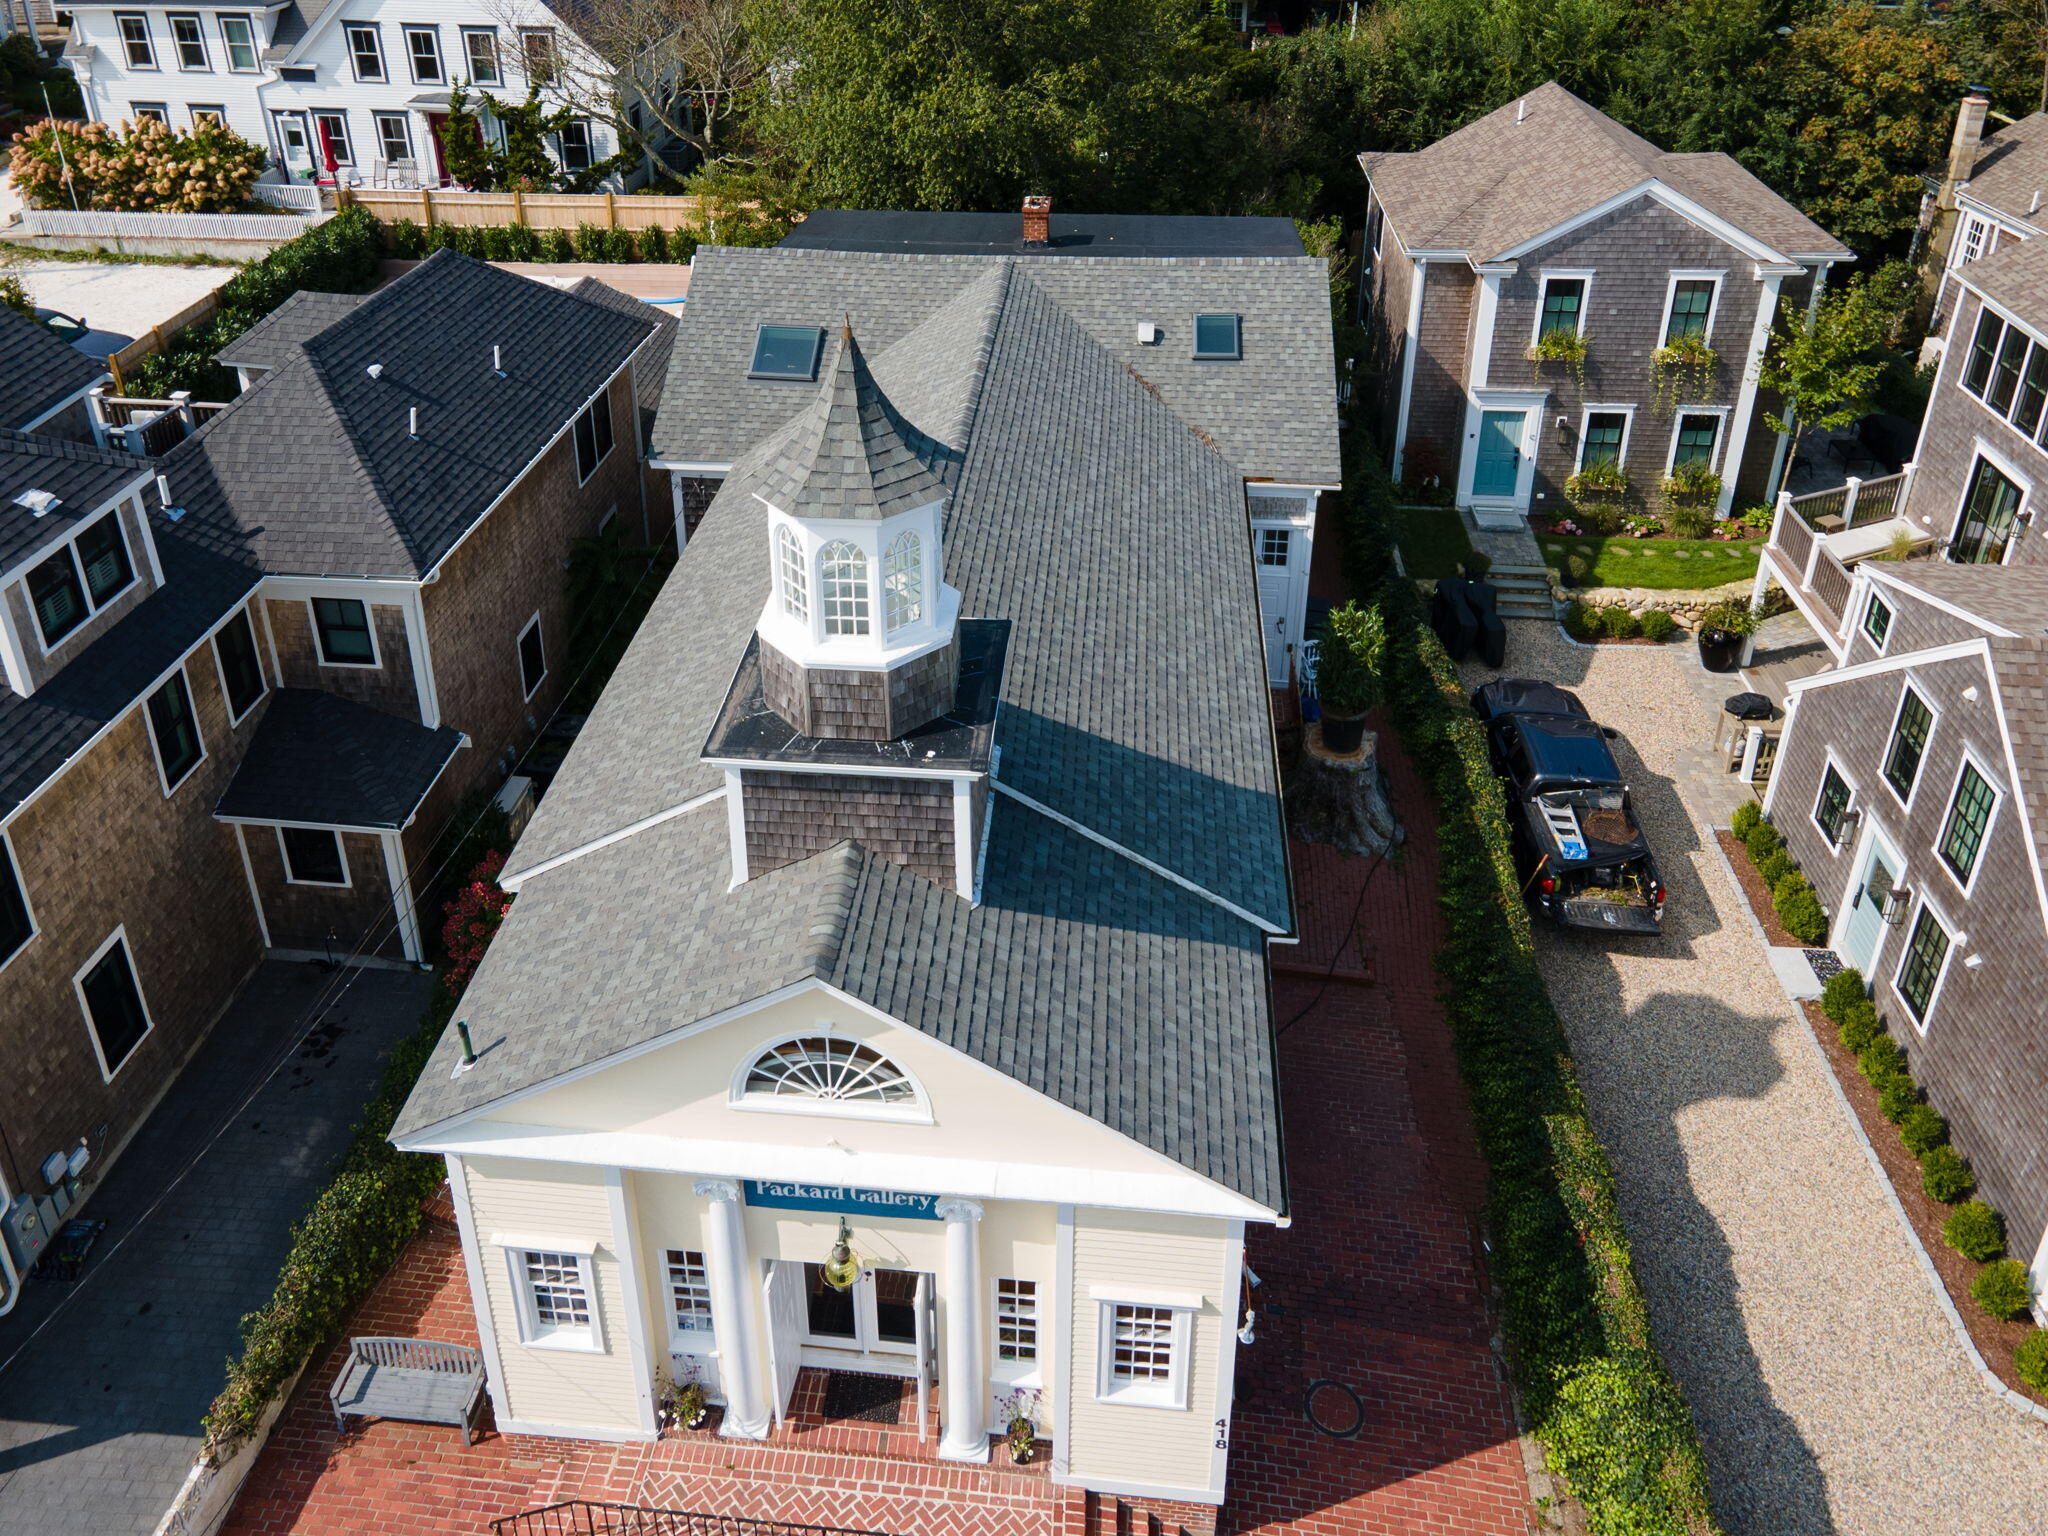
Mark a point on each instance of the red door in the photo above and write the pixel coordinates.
(434, 122)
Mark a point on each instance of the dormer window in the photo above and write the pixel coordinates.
(78, 580)
(843, 580)
(796, 587)
(903, 581)
(1218, 338)
(787, 352)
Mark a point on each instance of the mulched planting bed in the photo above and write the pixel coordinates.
(1759, 898)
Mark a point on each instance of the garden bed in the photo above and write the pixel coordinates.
(1663, 564)
(1753, 892)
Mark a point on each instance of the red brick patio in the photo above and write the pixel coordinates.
(1377, 1287)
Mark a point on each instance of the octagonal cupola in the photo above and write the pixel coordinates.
(857, 635)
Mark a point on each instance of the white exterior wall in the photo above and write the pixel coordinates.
(250, 101)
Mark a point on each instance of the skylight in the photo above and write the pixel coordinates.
(1216, 336)
(787, 352)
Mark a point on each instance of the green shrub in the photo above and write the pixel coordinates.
(1580, 622)
(2002, 1288)
(1763, 839)
(1975, 1231)
(1897, 1097)
(1881, 1059)
(682, 246)
(1799, 909)
(1577, 569)
(2030, 1360)
(405, 239)
(1844, 990)
(1773, 867)
(522, 243)
(654, 243)
(1747, 818)
(1658, 625)
(1859, 1027)
(1922, 1129)
(556, 245)
(1689, 522)
(497, 243)
(1617, 623)
(1603, 519)
(1616, 1417)
(1945, 1176)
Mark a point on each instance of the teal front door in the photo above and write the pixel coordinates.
(1497, 471)
(1863, 929)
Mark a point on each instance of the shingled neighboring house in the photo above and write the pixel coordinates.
(246, 683)
(44, 384)
(1548, 219)
(911, 885)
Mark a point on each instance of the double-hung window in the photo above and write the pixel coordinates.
(150, 112)
(1601, 444)
(238, 38)
(1830, 806)
(1692, 309)
(2008, 370)
(80, 579)
(1695, 441)
(313, 856)
(1969, 240)
(1144, 1354)
(1910, 730)
(593, 434)
(557, 1298)
(1989, 519)
(1562, 307)
(17, 923)
(115, 1016)
(1983, 353)
(241, 670)
(1969, 817)
(574, 142)
(533, 658)
(689, 1302)
(423, 51)
(394, 136)
(1877, 620)
(480, 54)
(537, 52)
(212, 113)
(2005, 370)
(341, 626)
(135, 43)
(189, 38)
(1017, 1327)
(331, 128)
(1921, 966)
(366, 52)
(175, 729)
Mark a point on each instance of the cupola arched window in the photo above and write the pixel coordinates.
(796, 589)
(825, 1067)
(843, 581)
(903, 581)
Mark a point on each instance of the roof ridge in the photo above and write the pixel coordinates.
(844, 863)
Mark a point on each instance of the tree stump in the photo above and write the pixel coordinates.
(1341, 798)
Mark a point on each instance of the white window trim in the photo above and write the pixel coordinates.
(171, 20)
(917, 1112)
(155, 65)
(1018, 1373)
(1876, 598)
(1263, 531)
(466, 33)
(1955, 943)
(1563, 274)
(178, 675)
(345, 151)
(404, 121)
(581, 1341)
(406, 32)
(9, 864)
(220, 670)
(1678, 415)
(1692, 275)
(603, 399)
(1926, 750)
(69, 545)
(1627, 413)
(159, 110)
(692, 1341)
(348, 43)
(118, 936)
(519, 655)
(227, 49)
(201, 111)
(1855, 796)
(1967, 758)
(284, 857)
(2003, 418)
(1174, 1394)
(320, 651)
(2005, 466)
(1971, 224)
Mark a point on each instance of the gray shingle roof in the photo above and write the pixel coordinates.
(276, 339)
(2020, 673)
(850, 453)
(1271, 413)
(2013, 597)
(316, 462)
(1498, 181)
(2016, 276)
(318, 757)
(82, 478)
(37, 371)
(1072, 234)
(2012, 168)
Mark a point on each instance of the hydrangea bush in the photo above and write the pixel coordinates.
(147, 167)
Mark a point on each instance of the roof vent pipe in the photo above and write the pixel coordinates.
(1521, 109)
(375, 370)
(497, 363)
(412, 421)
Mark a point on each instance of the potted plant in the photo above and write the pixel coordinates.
(1683, 370)
(1722, 630)
(1347, 675)
(1020, 1436)
(682, 1403)
(1562, 345)
(1603, 483)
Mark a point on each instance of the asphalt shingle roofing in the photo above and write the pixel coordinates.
(276, 339)
(2012, 167)
(2015, 277)
(37, 371)
(319, 463)
(317, 757)
(1072, 234)
(82, 478)
(1529, 166)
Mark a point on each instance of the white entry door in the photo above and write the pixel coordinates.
(294, 143)
(1862, 927)
(784, 1292)
(1281, 555)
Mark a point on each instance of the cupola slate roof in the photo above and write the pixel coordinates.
(319, 758)
(850, 453)
(37, 371)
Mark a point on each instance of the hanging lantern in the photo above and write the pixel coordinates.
(842, 1264)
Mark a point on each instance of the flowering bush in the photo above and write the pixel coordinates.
(149, 167)
(473, 919)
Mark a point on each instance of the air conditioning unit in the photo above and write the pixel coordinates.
(26, 1230)
(515, 799)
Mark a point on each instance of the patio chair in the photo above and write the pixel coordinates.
(405, 175)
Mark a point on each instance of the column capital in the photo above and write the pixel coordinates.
(958, 1208)
(716, 1189)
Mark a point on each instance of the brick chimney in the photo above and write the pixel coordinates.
(1969, 137)
(1038, 215)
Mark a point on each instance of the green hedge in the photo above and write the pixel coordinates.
(1613, 1424)
(337, 256)
(520, 242)
(354, 1232)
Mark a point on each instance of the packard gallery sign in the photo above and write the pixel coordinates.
(844, 1199)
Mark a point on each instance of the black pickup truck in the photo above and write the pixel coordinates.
(1582, 857)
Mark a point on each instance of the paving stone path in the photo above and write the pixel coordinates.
(99, 1413)
(1833, 1398)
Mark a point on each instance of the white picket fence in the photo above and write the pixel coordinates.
(65, 224)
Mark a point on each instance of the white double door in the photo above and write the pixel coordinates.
(882, 1324)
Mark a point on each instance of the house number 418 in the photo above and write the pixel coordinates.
(1223, 1434)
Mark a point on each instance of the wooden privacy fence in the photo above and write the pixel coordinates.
(536, 210)
(159, 336)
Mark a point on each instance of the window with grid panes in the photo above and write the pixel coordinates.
(689, 1291)
(1833, 801)
(1604, 431)
(176, 730)
(1692, 301)
(423, 49)
(1877, 620)
(135, 41)
(843, 583)
(1909, 743)
(1969, 813)
(1562, 300)
(1141, 1345)
(789, 560)
(1276, 545)
(1921, 968)
(2005, 373)
(55, 594)
(554, 1282)
(1696, 437)
(190, 42)
(366, 53)
(1983, 352)
(1017, 1320)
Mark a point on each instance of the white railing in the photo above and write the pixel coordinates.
(299, 196)
(1855, 502)
(62, 223)
(148, 428)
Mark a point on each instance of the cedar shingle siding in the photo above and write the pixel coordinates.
(791, 816)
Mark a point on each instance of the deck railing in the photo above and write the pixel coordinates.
(149, 428)
(1856, 503)
(579, 1517)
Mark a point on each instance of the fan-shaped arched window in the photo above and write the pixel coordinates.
(826, 1067)
(903, 581)
(843, 571)
(796, 587)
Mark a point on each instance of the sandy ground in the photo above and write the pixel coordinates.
(120, 299)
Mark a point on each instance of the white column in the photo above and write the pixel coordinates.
(964, 1388)
(747, 1413)
(1745, 397)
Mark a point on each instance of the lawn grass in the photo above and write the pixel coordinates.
(1661, 563)
(1433, 541)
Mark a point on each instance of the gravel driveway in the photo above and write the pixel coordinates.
(1832, 1395)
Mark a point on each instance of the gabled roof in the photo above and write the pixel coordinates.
(1272, 413)
(1548, 157)
(82, 477)
(850, 453)
(277, 338)
(317, 463)
(2015, 276)
(2012, 169)
(37, 371)
(317, 757)
(2008, 598)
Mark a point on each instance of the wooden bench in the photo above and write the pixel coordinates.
(414, 1379)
